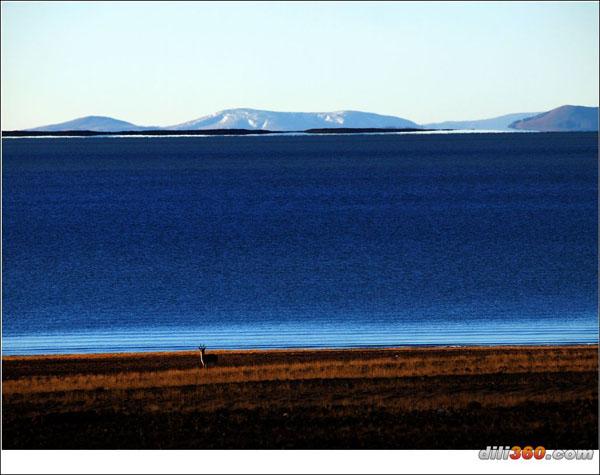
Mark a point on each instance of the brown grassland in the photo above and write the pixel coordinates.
(409, 398)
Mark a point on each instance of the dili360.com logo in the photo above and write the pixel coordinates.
(506, 452)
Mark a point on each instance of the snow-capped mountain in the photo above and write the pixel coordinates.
(291, 121)
(94, 123)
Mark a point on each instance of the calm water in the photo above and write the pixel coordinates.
(114, 244)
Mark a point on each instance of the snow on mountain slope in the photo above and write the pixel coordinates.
(292, 121)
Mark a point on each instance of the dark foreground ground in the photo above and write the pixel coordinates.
(436, 398)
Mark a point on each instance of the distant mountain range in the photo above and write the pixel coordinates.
(564, 118)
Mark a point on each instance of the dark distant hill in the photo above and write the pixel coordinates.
(359, 130)
(92, 133)
(562, 119)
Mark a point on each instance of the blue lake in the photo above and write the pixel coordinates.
(119, 244)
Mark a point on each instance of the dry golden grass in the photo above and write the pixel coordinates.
(253, 368)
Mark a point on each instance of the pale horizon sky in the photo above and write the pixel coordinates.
(163, 63)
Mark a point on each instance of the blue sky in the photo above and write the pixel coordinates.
(164, 63)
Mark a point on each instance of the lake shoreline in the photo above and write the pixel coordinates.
(316, 350)
(404, 398)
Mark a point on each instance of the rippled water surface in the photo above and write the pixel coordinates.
(116, 244)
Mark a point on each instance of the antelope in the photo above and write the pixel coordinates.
(207, 360)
